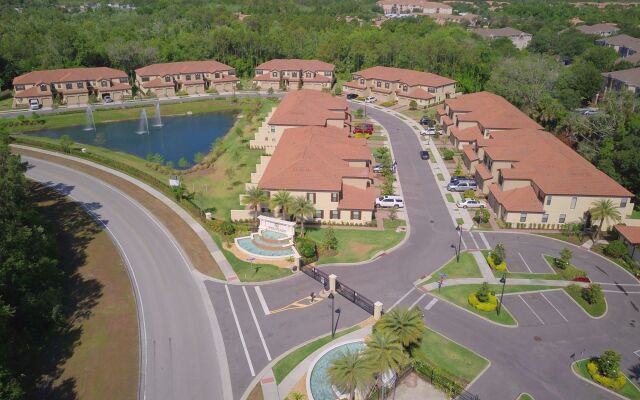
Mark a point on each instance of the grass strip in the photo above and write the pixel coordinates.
(449, 197)
(466, 268)
(595, 310)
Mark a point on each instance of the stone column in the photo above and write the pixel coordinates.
(377, 310)
(332, 283)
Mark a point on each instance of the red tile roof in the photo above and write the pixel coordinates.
(405, 76)
(470, 152)
(631, 233)
(73, 91)
(446, 120)
(354, 84)
(499, 32)
(484, 173)
(417, 93)
(467, 134)
(183, 67)
(157, 83)
(440, 110)
(293, 64)
(192, 82)
(266, 77)
(521, 199)
(68, 75)
(317, 78)
(33, 91)
(315, 158)
(354, 198)
(307, 108)
(226, 78)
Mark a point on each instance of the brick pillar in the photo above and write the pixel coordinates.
(377, 310)
(332, 283)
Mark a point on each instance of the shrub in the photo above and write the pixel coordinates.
(615, 249)
(609, 364)
(482, 294)
(447, 154)
(592, 294)
(498, 267)
(582, 279)
(413, 105)
(615, 383)
(481, 216)
(307, 249)
(483, 299)
(499, 253)
(66, 142)
(330, 241)
(469, 194)
(338, 90)
(388, 103)
(270, 90)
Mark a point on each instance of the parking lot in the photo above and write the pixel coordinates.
(544, 308)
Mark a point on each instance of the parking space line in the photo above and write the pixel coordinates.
(244, 344)
(531, 309)
(417, 301)
(263, 303)
(525, 263)
(431, 304)
(484, 240)
(637, 353)
(255, 320)
(474, 240)
(619, 291)
(463, 242)
(554, 307)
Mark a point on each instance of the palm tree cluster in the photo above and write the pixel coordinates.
(286, 204)
(388, 349)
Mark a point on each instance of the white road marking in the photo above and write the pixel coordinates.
(619, 291)
(401, 298)
(417, 301)
(463, 242)
(474, 240)
(529, 307)
(244, 344)
(255, 320)
(263, 303)
(525, 263)
(637, 353)
(431, 304)
(617, 284)
(484, 240)
(554, 307)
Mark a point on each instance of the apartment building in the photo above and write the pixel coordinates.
(294, 74)
(302, 108)
(401, 85)
(518, 38)
(628, 47)
(603, 30)
(628, 79)
(474, 116)
(71, 86)
(630, 236)
(330, 169)
(414, 6)
(189, 77)
(529, 176)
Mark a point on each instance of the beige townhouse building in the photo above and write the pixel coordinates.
(414, 7)
(294, 74)
(401, 85)
(602, 30)
(71, 86)
(627, 79)
(518, 38)
(627, 47)
(327, 167)
(302, 108)
(529, 176)
(189, 77)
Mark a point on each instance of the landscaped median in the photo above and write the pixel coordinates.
(604, 371)
(466, 267)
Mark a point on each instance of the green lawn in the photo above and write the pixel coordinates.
(630, 391)
(566, 274)
(450, 198)
(527, 275)
(459, 221)
(635, 214)
(560, 236)
(440, 177)
(443, 353)
(458, 295)
(6, 104)
(525, 396)
(595, 310)
(377, 138)
(251, 272)
(466, 268)
(599, 248)
(282, 368)
(356, 245)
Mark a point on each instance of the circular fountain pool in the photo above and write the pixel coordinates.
(318, 385)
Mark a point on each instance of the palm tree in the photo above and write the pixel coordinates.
(301, 208)
(351, 372)
(254, 197)
(282, 199)
(604, 210)
(385, 352)
(405, 324)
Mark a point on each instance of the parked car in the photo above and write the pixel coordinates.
(461, 186)
(34, 104)
(426, 121)
(390, 201)
(364, 128)
(457, 178)
(424, 154)
(379, 167)
(351, 96)
(429, 132)
(107, 99)
(370, 99)
(470, 203)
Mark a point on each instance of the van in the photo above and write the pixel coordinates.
(390, 201)
(34, 104)
(461, 186)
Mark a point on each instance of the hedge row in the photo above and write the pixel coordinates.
(500, 267)
(490, 305)
(615, 384)
(438, 379)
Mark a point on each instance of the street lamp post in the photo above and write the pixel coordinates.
(503, 280)
(459, 228)
(331, 296)
(365, 109)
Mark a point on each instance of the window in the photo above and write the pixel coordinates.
(523, 217)
(362, 81)
(386, 85)
(574, 200)
(258, 72)
(545, 218)
(294, 74)
(327, 73)
(274, 74)
(320, 214)
(103, 83)
(334, 196)
(188, 77)
(198, 76)
(216, 75)
(431, 90)
(43, 88)
(379, 84)
(405, 88)
(273, 129)
(80, 85)
(309, 75)
(335, 214)
(562, 218)
(355, 214)
(69, 85)
(549, 200)
(623, 202)
(311, 197)
(167, 79)
(124, 80)
(19, 87)
(146, 79)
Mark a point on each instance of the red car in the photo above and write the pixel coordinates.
(364, 128)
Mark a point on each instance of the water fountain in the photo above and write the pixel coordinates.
(90, 124)
(157, 118)
(143, 126)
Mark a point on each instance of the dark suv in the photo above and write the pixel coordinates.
(426, 121)
(351, 96)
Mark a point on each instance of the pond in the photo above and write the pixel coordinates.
(180, 136)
